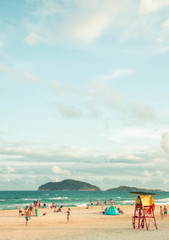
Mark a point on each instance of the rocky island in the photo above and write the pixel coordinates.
(133, 189)
(68, 185)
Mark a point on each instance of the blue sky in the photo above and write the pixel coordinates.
(84, 92)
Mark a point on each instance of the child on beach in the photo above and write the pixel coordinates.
(27, 216)
(165, 211)
(161, 212)
(68, 215)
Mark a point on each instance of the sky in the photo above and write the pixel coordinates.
(84, 93)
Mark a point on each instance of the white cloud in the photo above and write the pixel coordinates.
(1, 43)
(141, 112)
(29, 77)
(83, 21)
(135, 158)
(56, 170)
(116, 74)
(87, 21)
(33, 38)
(164, 49)
(89, 28)
(147, 173)
(5, 68)
(10, 170)
(56, 86)
(161, 173)
(59, 171)
(101, 93)
(148, 6)
(165, 142)
(141, 132)
(97, 95)
(84, 162)
(69, 110)
(13, 73)
(166, 24)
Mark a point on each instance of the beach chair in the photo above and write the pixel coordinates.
(144, 210)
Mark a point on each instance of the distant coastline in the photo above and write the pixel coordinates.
(74, 185)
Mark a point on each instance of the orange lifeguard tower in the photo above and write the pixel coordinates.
(144, 210)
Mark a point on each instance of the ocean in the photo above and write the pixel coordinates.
(70, 198)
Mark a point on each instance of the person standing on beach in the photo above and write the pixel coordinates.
(165, 211)
(161, 212)
(68, 215)
(31, 209)
(20, 211)
(91, 203)
(36, 210)
(27, 216)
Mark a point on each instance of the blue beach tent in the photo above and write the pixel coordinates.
(112, 211)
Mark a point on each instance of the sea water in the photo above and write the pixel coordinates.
(70, 198)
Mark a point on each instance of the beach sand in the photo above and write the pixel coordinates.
(84, 224)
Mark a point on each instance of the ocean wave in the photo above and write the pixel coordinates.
(29, 199)
(2, 200)
(57, 198)
(163, 200)
(81, 205)
(127, 201)
(161, 203)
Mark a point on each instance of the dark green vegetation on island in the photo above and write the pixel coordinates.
(134, 189)
(73, 185)
(68, 185)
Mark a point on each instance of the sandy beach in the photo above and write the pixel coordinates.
(84, 224)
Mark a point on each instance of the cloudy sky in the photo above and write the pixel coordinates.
(84, 92)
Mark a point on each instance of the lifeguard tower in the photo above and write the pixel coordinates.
(144, 210)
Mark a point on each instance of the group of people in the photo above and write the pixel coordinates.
(29, 211)
(32, 210)
(99, 203)
(59, 209)
(163, 211)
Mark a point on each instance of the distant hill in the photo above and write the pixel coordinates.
(134, 189)
(68, 185)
